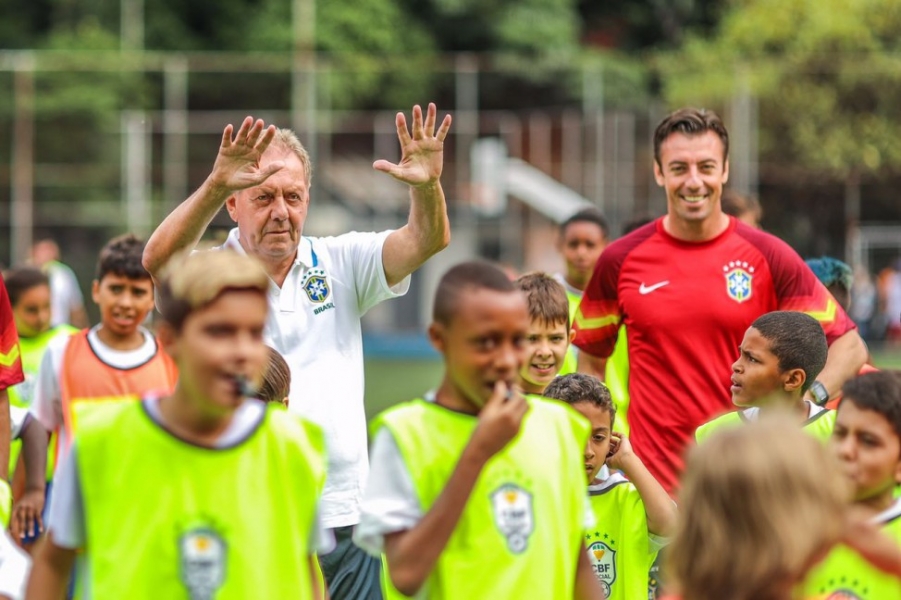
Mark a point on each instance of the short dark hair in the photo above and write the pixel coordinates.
(587, 215)
(546, 298)
(736, 204)
(276, 379)
(797, 340)
(690, 121)
(122, 256)
(879, 391)
(19, 281)
(579, 387)
(470, 275)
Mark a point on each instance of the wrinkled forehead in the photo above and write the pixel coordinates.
(281, 152)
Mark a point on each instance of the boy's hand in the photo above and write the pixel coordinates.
(26, 518)
(499, 421)
(620, 452)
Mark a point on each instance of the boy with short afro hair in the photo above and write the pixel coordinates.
(478, 466)
(780, 356)
(116, 358)
(200, 527)
(549, 331)
(633, 513)
(867, 443)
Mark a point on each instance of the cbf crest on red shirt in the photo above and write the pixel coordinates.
(739, 280)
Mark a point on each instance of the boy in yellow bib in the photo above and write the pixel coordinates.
(867, 442)
(780, 356)
(203, 493)
(633, 512)
(477, 492)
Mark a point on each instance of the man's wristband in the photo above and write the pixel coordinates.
(819, 392)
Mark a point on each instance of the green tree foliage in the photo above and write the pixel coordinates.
(533, 27)
(84, 101)
(632, 25)
(827, 75)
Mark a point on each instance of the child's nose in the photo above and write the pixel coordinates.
(509, 359)
(845, 448)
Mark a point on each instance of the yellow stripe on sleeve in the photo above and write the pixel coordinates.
(825, 316)
(8, 359)
(584, 322)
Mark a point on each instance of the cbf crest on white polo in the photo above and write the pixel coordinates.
(315, 284)
(202, 554)
(739, 280)
(512, 508)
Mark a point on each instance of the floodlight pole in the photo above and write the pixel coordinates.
(22, 177)
(131, 25)
(303, 74)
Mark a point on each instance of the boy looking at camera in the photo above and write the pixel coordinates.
(633, 513)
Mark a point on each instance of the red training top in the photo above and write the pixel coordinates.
(10, 359)
(686, 307)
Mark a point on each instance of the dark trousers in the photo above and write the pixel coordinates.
(350, 573)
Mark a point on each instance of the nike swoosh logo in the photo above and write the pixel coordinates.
(647, 289)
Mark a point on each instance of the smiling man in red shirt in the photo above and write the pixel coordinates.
(687, 286)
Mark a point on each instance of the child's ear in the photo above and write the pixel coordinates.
(436, 336)
(572, 334)
(793, 379)
(95, 291)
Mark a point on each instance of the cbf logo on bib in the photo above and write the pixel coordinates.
(202, 554)
(603, 564)
(315, 284)
(512, 508)
(739, 280)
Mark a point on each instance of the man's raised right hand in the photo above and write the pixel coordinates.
(237, 165)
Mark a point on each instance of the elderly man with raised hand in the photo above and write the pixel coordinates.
(320, 289)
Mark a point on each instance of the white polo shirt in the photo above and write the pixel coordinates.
(314, 322)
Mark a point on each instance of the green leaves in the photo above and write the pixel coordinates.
(826, 73)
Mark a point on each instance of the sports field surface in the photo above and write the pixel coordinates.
(389, 380)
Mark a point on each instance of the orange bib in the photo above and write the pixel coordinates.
(84, 377)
